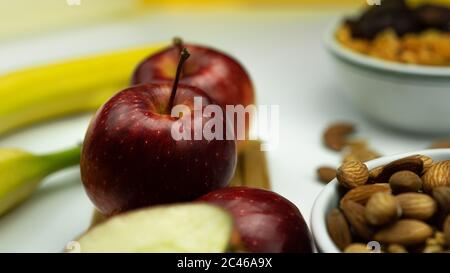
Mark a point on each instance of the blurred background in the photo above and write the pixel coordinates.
(26, 17)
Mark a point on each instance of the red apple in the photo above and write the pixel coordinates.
(266, 221)
(219, 75)
(130, 159)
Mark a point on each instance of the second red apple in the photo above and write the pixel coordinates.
(266, 221)
(222, 77)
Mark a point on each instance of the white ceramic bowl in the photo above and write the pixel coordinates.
(410, 97)
(328, 199)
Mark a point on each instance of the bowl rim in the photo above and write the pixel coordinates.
(320, 207)
(340, 51)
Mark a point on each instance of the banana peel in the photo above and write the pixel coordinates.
(21, 172)
(46, 92)
(41, 93)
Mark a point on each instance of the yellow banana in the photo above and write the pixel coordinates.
(40, 93)
(21, 172)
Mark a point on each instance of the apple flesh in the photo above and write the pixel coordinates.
(266, 221)
(222, 77)
(130, 159)
(195, 228)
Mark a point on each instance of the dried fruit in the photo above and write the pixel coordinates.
(362, 194)
(382, 208)
(417, 205)
(411, 163)
(335, 136)
(400, 30)
(352, 174)
(326, 174)
(438, 175)
(355, 215)
(339, 229)
(434, 16)
(405, 181)
(442, 197)
(396, 248)
(357, 248)
(406, 232)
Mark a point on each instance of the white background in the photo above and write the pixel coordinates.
(287, 62)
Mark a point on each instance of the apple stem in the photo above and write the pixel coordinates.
(184, 55)
(178, 43)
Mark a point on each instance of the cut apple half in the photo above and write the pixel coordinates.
(194, 228)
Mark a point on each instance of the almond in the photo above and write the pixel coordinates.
(375, 172)
(411, 163)
(447, 230)
(357, 144)
(406, 232)
(382, 208)
(442, 197)
(438, 175)
(362, 155)
(427, 162)
(417, 205)
(396, 248)
(352, 174)
(326, 174)
(357, 248)
(362, 194)
(355, 214)
(439, 237)
(440, 144)
(405, 181)
(339, 229)
(335, 136)
(432, 249)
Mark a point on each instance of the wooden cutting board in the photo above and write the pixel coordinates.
(251, 169)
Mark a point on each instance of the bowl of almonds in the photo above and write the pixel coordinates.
(393, 204)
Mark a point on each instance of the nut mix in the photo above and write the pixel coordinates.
(403, 205)
(396, 31)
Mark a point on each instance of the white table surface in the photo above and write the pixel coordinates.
(290, 68)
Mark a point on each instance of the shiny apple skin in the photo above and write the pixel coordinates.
(266, 221)
(130, 160)
(222, 77)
